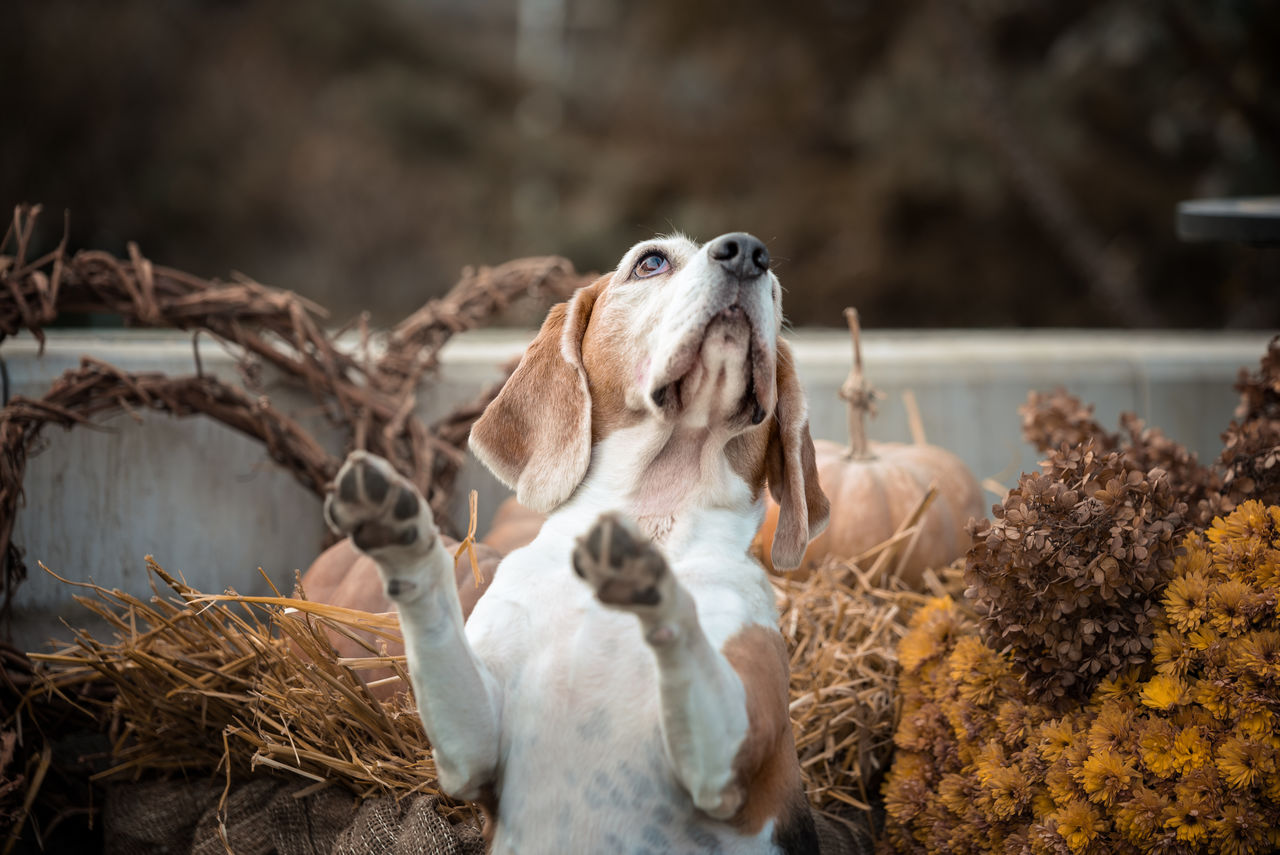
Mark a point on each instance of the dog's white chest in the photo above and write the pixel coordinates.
(583, 768)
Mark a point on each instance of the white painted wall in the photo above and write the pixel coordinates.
(209, 504)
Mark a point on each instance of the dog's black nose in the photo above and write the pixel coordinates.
(741, 254)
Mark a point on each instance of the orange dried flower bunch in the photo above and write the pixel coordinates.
(1176, 753)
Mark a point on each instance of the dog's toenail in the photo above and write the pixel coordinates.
(376, 485)
(347, 486)
(647, 597)
(620, 544)
(595, 540)
(758, 414)
(371, 535)
(396, 587)
(406, 505)
(659, 395)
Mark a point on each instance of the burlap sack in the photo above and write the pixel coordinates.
(155, 816)
(843, 837)
(263, 817)
(382, 827)
(310, 825)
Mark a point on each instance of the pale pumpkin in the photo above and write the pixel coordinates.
(874, 487)
(341, 576)
(513, 526)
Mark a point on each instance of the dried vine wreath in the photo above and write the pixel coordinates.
(373, 399)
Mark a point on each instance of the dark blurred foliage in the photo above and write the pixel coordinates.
(937, 162)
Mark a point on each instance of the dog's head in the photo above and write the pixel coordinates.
(681, 337)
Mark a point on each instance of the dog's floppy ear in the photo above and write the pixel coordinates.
(536, 435)
(790, 467)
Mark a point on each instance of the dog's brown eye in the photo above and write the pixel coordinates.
(651, 264)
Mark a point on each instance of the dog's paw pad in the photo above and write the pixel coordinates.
(625, 568)
(406, 506)
(373, 504)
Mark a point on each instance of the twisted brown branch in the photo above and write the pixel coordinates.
(373, 402)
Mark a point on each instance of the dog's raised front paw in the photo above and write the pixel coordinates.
(381, 511)
(626, 570)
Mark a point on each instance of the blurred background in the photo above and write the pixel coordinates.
(939, 163)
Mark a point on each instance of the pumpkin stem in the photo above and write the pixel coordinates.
(859, 394)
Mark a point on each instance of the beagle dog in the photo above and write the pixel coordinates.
(621, 687)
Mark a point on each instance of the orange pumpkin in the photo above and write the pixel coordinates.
(875, 486)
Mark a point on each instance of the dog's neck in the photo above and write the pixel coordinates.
(676, 482)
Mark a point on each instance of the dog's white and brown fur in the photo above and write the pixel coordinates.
(638, 704)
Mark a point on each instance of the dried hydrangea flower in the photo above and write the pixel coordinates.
(1066, 574)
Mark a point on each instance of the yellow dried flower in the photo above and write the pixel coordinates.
(1016, 720)
(915, 649)
(907, 790)
(955, 791)
(1203, 638)
(1141, 816)
(1061, 784)
(1007, 792)
(1176, 749)
(1189, 822)
(1055, 738)
(1231, 605)
(1113, 726)
(929, 633)
(1171, 653)
(1245, 545)
(1243, 762)
(976, 670)
(1106, 776)
(1213, 696)
(1257, 722)
(1156, 747)
(1259, 654)
(1201, 786)
(1190, 749)
(1241, 830)
(1164, 691)
(1192, 717)
(1079, 824)
(1121, 685)
(987, 759)
(1186, 601)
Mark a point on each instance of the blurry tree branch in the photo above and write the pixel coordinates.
(1261, 116)
(1110, 279)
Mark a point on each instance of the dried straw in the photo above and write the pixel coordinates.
(237, 683)
(843, 630)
